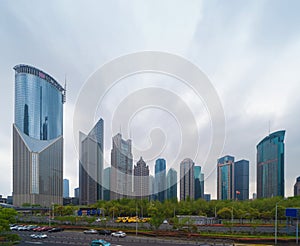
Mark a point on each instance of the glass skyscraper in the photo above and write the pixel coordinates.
(187, 183)
(66, 193)
(141, 180)
(121, 168)
(199, 182)
(37, 138)
(241, 180)
(172, 184)
(270, 165)
(160, 179)
(91, 165)
(225, 179)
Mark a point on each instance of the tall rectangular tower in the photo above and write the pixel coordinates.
(270, 165)
(37, 138)
(91, 165)
(187, 184)
(241, 180)
(225, 179)
(121, 168)
(160, 179)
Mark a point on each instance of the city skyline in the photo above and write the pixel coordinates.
(250, 51)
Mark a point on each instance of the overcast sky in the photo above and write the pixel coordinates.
(249, 50)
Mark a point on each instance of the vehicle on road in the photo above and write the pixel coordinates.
(104, 232)
(91, 231)
(100, 242)
(38, 236)
(119, 234)
(56, 229)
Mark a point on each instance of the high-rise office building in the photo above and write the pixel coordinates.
(207, 197)
(187, 183)
(160, 179)
(91, 165)
(121, 168)
(106, 184)
(37, 138)
(270, 165)
(241, 180)
(172, 184)
(66, 189)
(141, 180)
(152, 188)
(225, 178)
(297, 187)
(199, 183)
(76, 192)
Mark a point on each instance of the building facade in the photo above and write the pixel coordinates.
(187, 183)
(37, 138)
(297, 187)
(241, 180)
(91, 165)
(160, 179)
(172, 184)
(141, 180)
(199, 183)
(106, 184)
(76, 193)
(66, 188)
(225, 178)
(121, 168)
(270, 165)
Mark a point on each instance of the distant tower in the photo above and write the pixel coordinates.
(241, 180)
(37, 138)
(225, 179)
(121, 168)
(160, 179)
(270, 165)
(106, 184)
(66, 188)
(187, 183)
(297, 187)
(91, 165)
(141, 180)
(172, 184)
(199, 183)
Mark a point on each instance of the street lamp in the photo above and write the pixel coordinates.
(276, 220)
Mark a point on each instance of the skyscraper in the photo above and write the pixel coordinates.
(76, 192)
(106, 184)
(141, 180)
(151, 188)
(121, 168)
(187, 183)
(225, 179)
(37, 138)
(66, 189)
(91, 165)
(199, 183)
(297, 187)
(270, 165)
(241, 180)
(160, 179)
(172, 184)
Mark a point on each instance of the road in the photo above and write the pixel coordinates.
(71, 238)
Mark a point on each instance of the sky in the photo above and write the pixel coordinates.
(248, 50)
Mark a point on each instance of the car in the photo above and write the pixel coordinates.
(100, 242)
(119, 234)
(38, 236)
(104, 232)
(56, 229)
(91, 231)
(165, 222)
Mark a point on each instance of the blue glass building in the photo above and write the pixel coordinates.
(172, 184)
(241, 180)
(225, 179)
(199, 182)
(270, 165)
(91, 165)
(160, 179)
(37, 138)
(66, 193)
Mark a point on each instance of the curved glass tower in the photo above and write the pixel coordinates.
(270, 165)
(37, 138)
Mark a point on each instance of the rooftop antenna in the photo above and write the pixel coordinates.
(269, 127)
(65, 89)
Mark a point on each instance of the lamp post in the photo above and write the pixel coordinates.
(276, 208)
